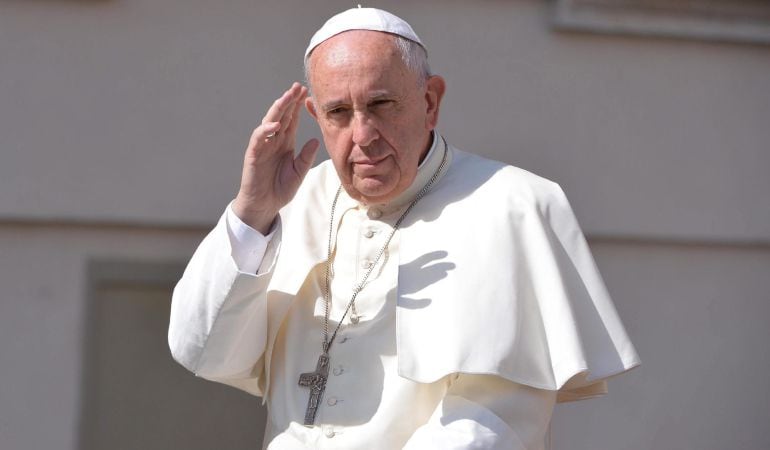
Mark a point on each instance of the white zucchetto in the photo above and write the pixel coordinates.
(363, 19)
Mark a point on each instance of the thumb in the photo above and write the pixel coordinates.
(304, 160)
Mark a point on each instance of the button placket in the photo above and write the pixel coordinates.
(366, 250)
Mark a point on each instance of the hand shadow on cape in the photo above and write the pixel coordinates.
(465, 176)
(423, 271)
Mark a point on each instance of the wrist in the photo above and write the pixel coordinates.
(259, 219)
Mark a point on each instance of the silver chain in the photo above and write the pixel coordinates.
(327, 342)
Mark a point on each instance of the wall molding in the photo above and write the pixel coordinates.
(63, 226)
(740, 21)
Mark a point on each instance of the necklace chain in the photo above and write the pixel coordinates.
(328, 341)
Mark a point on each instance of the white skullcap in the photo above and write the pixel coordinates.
(363, 19)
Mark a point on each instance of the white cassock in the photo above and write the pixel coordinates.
(486, 309)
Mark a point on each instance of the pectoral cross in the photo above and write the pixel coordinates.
(316, 381)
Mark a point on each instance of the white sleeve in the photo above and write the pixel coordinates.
(487, 412)
(248, 245)
(218, 323)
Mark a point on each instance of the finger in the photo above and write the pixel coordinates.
(305, 158)
(281, 105)
(290, 119)
(265, 133)
(291, 127)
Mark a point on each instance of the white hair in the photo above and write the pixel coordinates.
(413, 54)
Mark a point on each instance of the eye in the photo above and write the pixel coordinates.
(337, 113)
(381, 102)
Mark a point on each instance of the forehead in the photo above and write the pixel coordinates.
(357, 54)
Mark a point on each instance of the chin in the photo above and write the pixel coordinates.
(373, 191)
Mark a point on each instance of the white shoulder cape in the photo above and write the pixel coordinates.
(495, 277)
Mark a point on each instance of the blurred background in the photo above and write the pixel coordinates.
(122, 127)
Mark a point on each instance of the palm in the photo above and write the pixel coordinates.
(271, 172)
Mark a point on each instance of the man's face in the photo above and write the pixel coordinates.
(374, 116)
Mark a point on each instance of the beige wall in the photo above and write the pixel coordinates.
(698, 316)
(121, 130)
(138, 110)
(43, 310)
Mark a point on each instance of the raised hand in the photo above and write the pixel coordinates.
(271, 173)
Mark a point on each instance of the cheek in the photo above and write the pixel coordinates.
(338, 152)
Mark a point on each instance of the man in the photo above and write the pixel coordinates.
(405, 294)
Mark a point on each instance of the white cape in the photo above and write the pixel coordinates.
(495, 277)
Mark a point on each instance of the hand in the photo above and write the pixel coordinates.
(271, 173)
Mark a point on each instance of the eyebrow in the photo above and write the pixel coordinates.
(374, 95)
(328, 106)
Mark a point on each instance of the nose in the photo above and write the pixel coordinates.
(364, 129)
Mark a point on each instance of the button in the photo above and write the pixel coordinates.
(366, 264)
(338, 370)
(374, 213)
(331, 401)
(368, 234)
(328, 432)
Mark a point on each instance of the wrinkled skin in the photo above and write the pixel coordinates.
(375, 117)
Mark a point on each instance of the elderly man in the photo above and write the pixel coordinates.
(405, 294)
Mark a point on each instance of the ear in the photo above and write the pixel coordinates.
(434, 92)
(310, 106)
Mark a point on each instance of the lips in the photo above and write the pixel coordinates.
(369, 166)
(370, 162)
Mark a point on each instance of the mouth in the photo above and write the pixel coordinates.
(369, 162)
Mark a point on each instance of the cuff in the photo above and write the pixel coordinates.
(248, 245)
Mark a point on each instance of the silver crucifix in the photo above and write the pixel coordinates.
(316, 381)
